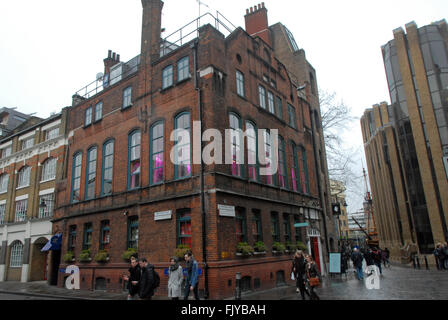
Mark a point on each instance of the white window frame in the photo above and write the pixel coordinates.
(49, 169)
(3, 183)
(16, 258)
(127, 97)
(98, 111)
(2, 212)
(52, 133)
(21, 210)
(48, 210)
(24, 177)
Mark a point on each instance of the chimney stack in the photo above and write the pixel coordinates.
(151, 30)
(257, 23)
(111, 60)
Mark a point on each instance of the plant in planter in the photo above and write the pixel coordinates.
(85, 256)
(278, 247)
(129, 253)
(244, 249)
(260, 247)
(301, 246)
(181, 251)
(69, 257)
(102, 256)
(291, 247)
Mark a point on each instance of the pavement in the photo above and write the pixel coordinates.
(396, 283)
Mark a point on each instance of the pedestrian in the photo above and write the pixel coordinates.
(133, 279)
(147, 280)
(436, 257)
(191, 284)
(313, 277)
(386, 255)
(440, 256)
(445, 252)
(299, 270)
(357, 259)
(175, 279)
(377, 257)
(369, 257)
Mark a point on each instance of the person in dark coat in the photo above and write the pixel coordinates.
(147, 280)
(377, 258)
(369, 257)
(133, 279)
(299, 270)
(191, 283)
(357, 259)
(312, 271)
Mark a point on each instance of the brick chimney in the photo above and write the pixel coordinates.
(257, 23)
(151, 30)
(111, 60)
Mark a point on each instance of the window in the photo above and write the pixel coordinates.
(16, 255)
(127, 97)
(72, 238)
(46, 205)
(91, 173)
(184, 234)
(240, 220)
(183, 69)
(292, 116)
(257, 230)
(21, 210)
(98, 111)
(286, 227)
(295, 172)
(6, 152)
(271, 102)
(76, 178)
(2, 213)
(251, 133)
(49, 169)
(157, 153)
(282, 173)
(240, 84)
(305, 175)
(52, 133)
(275, 228)
(133, 232)
(270, 178)
(235, 136)
(4, 180)
(88, 117)
(167, 77)
(24, 177)
(279, 107)
(87, 242)
(134, 160)
(105, 235)
(262, 96)
(108, 168)
(28, 143)
(182, 167)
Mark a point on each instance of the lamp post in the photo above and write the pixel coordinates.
(238, 286)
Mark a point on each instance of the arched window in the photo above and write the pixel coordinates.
(252, 162)
(16, 255)
(76, 177)
(134, 160)
(24, 177)
(182, 148)
(4, 179)
(91, 173)
(108, 168)
(49, 169)
(236, 151)
(157, 153)
(282, 173)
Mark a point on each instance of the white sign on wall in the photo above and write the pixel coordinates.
(164, 215)
(445, 162)
(226, 211)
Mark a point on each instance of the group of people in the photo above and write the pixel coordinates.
(441, 255)
(373, 256)
(307, 275)
(143, 280)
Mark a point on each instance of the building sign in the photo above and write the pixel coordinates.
(313, 232)
(301, 225)
(164, 215)
(226, 211)
(335, 263)
(445, 162)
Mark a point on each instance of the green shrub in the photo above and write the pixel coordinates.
(244, 248)
(302, 246)
(277, 246)
(84, 256)
(260, 246)
(68, 257)
(291, 246)
(102, 256)
(129, 253)
(181, 251)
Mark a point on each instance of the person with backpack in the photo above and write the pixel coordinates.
(133, 279)
(191, 283)
(176, 276)
(377, 257)
(357, 259)
(298, 269)
(149, 281)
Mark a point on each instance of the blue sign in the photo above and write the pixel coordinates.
(54, 243)
(301, 225)
(335, 263)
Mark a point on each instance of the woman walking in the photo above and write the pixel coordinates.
(298, 269)
(175, 279)
(313, 277)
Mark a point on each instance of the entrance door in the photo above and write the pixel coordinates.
(55, 261)
(315, 250)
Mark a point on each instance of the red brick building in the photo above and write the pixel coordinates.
(121, 189)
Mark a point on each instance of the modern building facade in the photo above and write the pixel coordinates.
(131, 183)
(32, 159)
(406, 143)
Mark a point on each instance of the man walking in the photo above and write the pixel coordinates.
(377, 257)
(133, 279)
(357, 259)
(191, 283)
(147, 280)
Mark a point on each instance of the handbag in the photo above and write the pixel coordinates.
(314, 282)
(292, 276)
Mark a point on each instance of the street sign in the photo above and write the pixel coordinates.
(335, 263)
(301, 225)
(226, 211)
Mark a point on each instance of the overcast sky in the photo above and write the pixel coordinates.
(49, 49)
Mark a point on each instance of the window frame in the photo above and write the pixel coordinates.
(21, 210)
(241, 221)
(4, 185)
(127, 96)
(262, 97)
(71, 244)
(130, 161)
(24, 172)
(167, 77)
(103, 166)
(133, 223)
(47, 175)
(98, 111)
(88, 116)
(153, 169)
(2, 213)
(105, 227)
(275, 227)
(74, 177)
(240, 84)
(48, 211)
(184, 68)
(257, 220)
(89, 184)
(177, 146)
(16, 255)
(234, 146)
(257, 163)
(271, 102)
(88, 231)
(184, 216)
(282, 164)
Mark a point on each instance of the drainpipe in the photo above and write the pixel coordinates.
(203, 212)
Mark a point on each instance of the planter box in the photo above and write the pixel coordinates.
(277, 252)
(86, 261)
(262, 253)
(239, 254)
(107, 260)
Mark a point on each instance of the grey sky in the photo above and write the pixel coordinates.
(49, 49)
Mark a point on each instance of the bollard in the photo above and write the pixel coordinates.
(238, 286)
(426, 263)
(418, 263)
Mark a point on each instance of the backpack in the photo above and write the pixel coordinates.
(156, 282)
